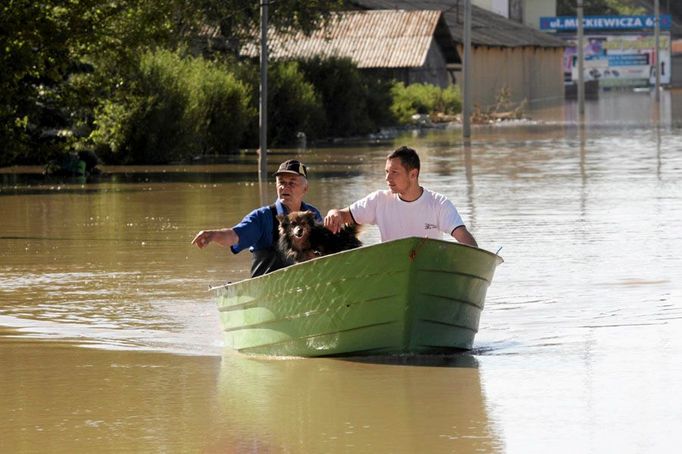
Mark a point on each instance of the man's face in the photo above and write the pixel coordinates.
(291, 189)
(399, 180)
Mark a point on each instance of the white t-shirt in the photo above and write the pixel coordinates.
(428, 216)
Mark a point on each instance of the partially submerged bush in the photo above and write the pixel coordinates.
(294, 105)
(173, 109)
(409, 100)
(354, 102)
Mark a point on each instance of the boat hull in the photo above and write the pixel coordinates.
(413, 295)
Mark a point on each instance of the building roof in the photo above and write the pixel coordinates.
(372, 39)
(487, 28)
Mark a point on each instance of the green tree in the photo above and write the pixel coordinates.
(45, 43)
(240, 19)
(35, 40)
(293, 105)
(343, 93)
(60, 58)
(177, 108)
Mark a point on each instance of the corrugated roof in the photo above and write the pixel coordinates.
(487, 28)
(372, 39)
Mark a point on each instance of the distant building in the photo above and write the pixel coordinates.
(505, 54)
(409, 46)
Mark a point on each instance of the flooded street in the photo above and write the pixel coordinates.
(110, 341)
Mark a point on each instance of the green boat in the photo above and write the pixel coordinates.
(414, 295)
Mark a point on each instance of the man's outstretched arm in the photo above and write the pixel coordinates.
(224, 237)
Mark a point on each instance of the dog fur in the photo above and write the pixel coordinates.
(301, 238)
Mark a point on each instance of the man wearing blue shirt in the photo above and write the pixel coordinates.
(258, 231)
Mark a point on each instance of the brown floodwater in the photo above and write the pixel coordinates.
(110, 341)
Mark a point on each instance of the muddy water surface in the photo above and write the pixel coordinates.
(110, 342)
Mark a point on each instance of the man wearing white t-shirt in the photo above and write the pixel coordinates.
(405, 209)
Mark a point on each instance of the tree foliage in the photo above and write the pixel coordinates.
(343, 94)
(293, 105)
(239, 19)
(176, 107)
(61, 57)
(45, 44)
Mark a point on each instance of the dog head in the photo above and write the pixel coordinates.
(296, 225)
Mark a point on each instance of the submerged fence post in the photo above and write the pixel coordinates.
(657, 54)
(466, 67)
(263, 110)
(581, 60)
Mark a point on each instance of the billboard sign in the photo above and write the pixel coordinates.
(569, 23)
(617, 60)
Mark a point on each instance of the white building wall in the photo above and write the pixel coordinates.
(500, 7)
(532, 10)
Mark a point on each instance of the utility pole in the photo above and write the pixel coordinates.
(263, 110)
(466, 67)
(581, 61)
(657, 54)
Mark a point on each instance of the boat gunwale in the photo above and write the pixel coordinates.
(498, 260)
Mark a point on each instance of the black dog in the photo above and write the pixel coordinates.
(301, 238)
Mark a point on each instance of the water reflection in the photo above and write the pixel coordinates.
(59, 399)
(583, 172)
(328, 405)
(468, 171)
(618, 109)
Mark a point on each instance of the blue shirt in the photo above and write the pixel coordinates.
(255, 230)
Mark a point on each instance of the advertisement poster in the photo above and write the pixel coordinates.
(619, 60)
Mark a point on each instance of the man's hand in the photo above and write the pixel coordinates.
(224, 237)
(334, 220)
(203, 238)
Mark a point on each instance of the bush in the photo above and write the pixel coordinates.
(423, 99)
(379, 101)
(343, 94)
(354, 102)
(293, 104)
(13, 138)
(219, 107)
(174, 108)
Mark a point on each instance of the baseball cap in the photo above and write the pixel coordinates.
(292, 166)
